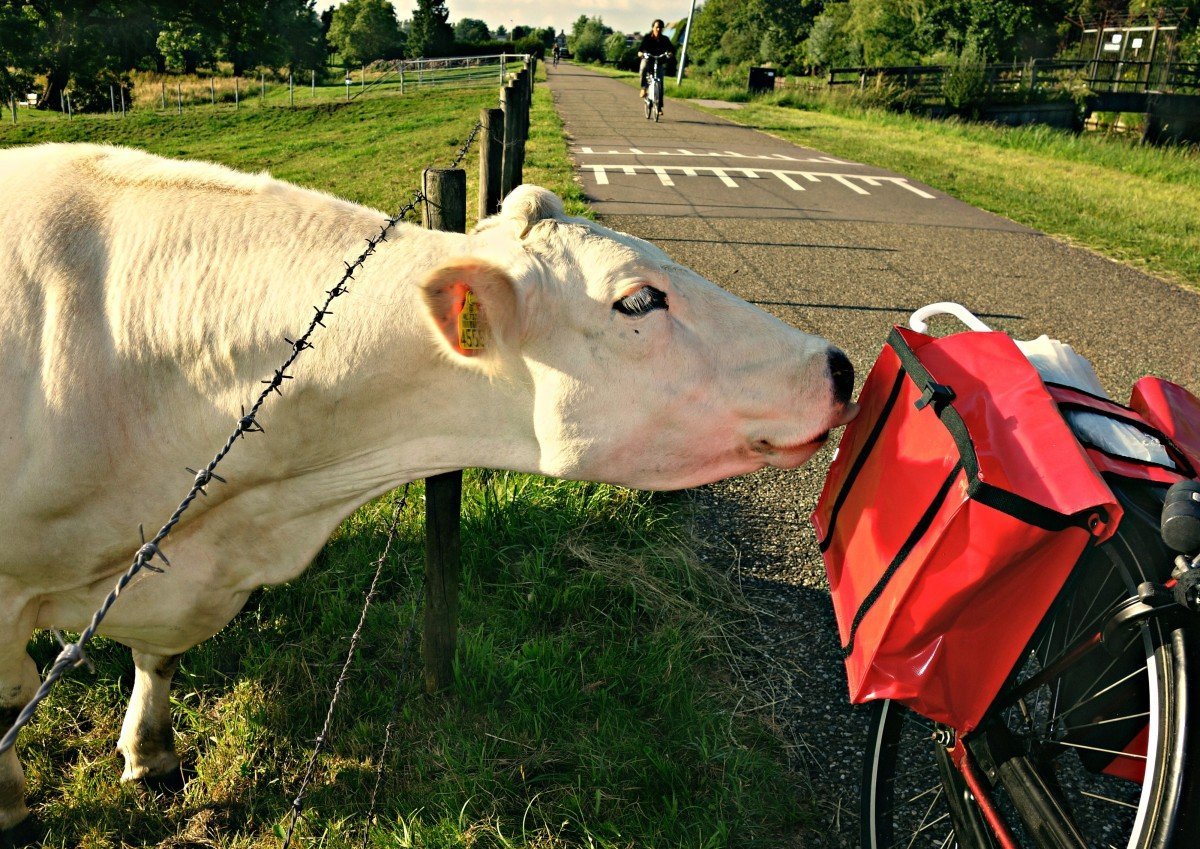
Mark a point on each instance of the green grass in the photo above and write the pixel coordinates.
(1137, 204)
(591, 704)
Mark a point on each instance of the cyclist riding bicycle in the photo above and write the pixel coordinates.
(653, 43)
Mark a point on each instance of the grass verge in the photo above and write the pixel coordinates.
(591, 703)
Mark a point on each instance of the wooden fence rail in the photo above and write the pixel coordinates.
(1096, 74)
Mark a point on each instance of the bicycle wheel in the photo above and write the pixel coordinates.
(1095, 755)
(649, 106)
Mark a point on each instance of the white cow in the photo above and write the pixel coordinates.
(144, 300)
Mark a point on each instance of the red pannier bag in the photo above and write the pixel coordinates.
(958, 503)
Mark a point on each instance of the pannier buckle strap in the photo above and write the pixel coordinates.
(937, 394)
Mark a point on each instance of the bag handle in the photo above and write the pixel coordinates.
(917, 320)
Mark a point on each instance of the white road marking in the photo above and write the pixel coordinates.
(731, 154)
(850, 181)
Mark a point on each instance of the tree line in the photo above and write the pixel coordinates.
(799, 36)
(49, 47)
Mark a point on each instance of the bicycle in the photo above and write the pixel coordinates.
(1090, 740)
(654, 85)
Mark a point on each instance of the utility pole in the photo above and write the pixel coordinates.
(687, 33)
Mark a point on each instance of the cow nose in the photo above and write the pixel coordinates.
(841, 372)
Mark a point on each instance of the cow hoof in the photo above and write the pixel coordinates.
(153, 772)
(171, 781)
(28, 832)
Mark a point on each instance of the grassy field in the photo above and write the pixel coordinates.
(592, 701)
(1134, 203)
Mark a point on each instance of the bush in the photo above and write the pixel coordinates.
(965, 81)
(96, 92)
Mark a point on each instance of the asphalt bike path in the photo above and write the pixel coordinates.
(846, 250)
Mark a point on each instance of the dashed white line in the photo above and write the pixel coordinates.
(787, 177)
(729, 154)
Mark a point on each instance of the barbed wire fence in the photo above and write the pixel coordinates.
(150, 553)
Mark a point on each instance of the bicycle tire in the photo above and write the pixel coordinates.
(1035, 771)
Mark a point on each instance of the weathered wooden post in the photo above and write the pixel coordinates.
(510, 104)
(212, 90)
(237, 94)
(445, 191)
(491, 160)
(523, 98)
(112, 101)
(164, 95)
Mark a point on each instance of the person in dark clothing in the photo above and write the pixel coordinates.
(654, 43)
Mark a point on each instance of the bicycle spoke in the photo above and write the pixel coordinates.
(1108, 799)
(1141, 670)
(1116, 753)
(1070, 729)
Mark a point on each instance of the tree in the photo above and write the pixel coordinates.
(296, 37)
(364, 30)
(429, 34)
(73, 44)
(471, 31)
(586, 41)
(184, 47)
(614, 48)
(829, 43)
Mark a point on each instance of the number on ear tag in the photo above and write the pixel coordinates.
(470, 336)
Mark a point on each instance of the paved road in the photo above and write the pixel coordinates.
(845, 250)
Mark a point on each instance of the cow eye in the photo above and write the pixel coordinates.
(644, 300)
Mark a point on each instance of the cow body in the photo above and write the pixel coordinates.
(146, 300)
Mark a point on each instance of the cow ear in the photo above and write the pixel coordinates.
(527, 205)
(472, 305)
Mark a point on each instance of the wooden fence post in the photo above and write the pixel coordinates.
(491, 160)
(509, 103)
(524, 98)
(445, 193)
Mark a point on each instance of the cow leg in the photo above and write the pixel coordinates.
(18, 682)
(147, 740)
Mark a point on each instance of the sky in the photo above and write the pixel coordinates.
(625, 16)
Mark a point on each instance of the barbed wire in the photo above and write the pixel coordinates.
(72, 654)
(406, 657)
(298, 802)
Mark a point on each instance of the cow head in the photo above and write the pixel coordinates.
(636, 370)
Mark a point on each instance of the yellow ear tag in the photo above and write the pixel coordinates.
(470, 336)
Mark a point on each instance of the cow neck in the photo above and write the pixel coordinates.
(397, 405)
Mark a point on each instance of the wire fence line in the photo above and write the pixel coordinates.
(343, 676)
(166, 94)
(147, 556)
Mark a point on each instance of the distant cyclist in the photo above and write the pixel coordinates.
(654, 43)
(555, 54)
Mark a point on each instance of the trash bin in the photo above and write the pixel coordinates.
(762, 80)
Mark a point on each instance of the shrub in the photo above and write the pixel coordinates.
(965, 81)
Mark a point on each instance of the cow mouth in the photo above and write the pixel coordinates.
(790, 456)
